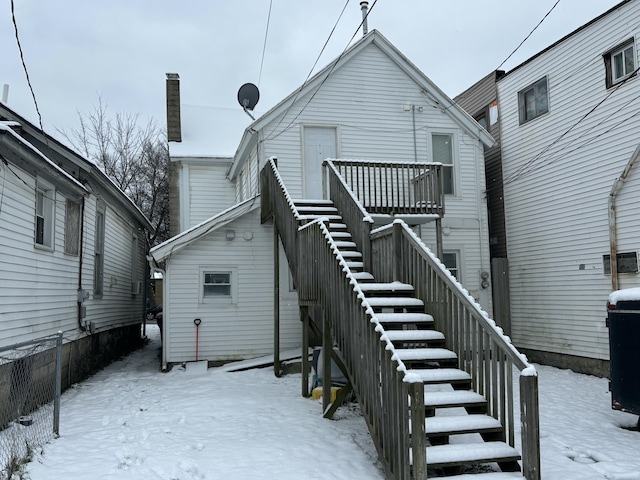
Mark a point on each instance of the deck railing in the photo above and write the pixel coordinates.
(399, 188)
(483, 351)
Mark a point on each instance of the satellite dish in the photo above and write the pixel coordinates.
(248, 96)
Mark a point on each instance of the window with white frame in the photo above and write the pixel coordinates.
(216, 284)
(45, 215)
(442, 152)
(533, 101)
(451, 261)
(620, 63)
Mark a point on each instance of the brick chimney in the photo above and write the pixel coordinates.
(174, 129)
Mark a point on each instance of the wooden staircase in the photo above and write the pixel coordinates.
(460, 434)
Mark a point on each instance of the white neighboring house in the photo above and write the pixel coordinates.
(371, 103)
(569, 129)
(73, 251)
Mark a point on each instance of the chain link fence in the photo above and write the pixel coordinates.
(30, 383)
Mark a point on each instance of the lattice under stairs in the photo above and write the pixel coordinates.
(462, 439)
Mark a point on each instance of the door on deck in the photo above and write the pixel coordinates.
(320, 143)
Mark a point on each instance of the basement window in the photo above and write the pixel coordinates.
(627, 262)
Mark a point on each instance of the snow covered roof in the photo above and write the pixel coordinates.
(5, 129)
(202, 136)
(186, 238)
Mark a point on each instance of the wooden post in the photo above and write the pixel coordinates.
(439, 248)
(418, 431)
(276, 301)
(397, 251)
(306, 366)
(327, 346)
(530, 425)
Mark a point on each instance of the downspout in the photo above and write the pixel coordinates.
(153, 267)
(613, 240)
(81, 297)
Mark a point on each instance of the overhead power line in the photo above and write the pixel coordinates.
(527, 37)
(273, 135)
(24, 65)
(264, 46)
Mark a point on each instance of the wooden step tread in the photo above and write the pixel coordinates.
(466, 453)
(316, 209)
(350, 254)
(344, 244)
(312, 201)
(335, 235)
(362, 276)
(454, 398)
(337, 226)
(440, 375)
(427, 354)
(312, 216)
(489, 476)
(395, 302)
(352, 264)
(459, 424)
(387, 287)
(404, 318)
(412, 335)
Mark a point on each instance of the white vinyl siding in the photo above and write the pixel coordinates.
(558, 174)
(209, 191)
(235, 330)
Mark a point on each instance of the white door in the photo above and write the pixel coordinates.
(319, 144)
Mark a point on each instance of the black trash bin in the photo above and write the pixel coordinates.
(623, 319)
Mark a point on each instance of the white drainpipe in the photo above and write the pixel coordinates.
(613, 240)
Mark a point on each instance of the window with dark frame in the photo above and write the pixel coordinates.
(44, 216)
(450, 260)
(98, 265)
(533, 101)
(72, 227)
(620, 63)
(627, 262)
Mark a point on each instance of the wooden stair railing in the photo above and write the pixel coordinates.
(392, 369)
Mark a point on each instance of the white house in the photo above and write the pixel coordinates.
(569, 132)
(371, 103)
(73, 251)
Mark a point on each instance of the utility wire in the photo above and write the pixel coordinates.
(309, 75)
(264, 46)
(529, 165)
(527, 37)
(336, 61)
(24, 65)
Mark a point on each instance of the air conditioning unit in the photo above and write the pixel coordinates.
(136, 288)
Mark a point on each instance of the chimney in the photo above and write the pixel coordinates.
(174, 129)
(364, 6)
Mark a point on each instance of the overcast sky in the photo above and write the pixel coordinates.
(76, 50)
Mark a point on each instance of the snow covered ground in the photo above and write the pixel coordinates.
(132, 421)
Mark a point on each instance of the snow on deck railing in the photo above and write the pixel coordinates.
(331, 166)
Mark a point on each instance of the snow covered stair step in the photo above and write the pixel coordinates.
(354, 265)
(454, 398)
(452, 376)
(311, 217)
(344, 244)
(413, 318)
(470, 453)
(489, 476)
(336, 226)
(460, 424)
(400, 336)
(350, 254)
(339, 235)
(312, 201)
(426, 354)
(409, 303)
(391, 288)
(362, 276)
